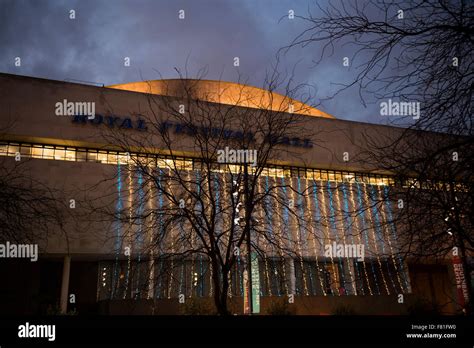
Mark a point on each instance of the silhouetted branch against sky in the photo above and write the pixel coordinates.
(122, 41)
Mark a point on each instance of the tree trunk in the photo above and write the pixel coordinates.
(220, 289)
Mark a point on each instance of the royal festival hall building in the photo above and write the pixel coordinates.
(85, 258)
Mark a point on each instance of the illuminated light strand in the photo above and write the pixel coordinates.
(118, 210)
(267, 277)
(140, 231)
(225, 227)
(197, 176)
(130, 202)
(394, 233)
(350, 227)
(210, 278)
(276, 276)
(182, 262)
(269, 209)
(298, 235)
(181, 277)
(160, 224)
(240, 276)
(375, 239)
(348, 260)
(318, 217)
(387, 235)
(151, 263)
(280, 241)
(378, 226)
(201, 278)
(328, 233)
(356, 220)
(262, 208)
(171, 238)
(239, 272)
(286, 215)
(311, 282)
(205, 199)
(332, 219)
(160, 275)
(188, 177)
(219, 209)
(349, 224)
(367, 242)
(260, 218)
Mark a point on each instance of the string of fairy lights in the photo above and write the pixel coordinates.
(321, 213)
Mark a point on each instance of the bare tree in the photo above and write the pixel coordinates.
(415, 52)
(30, 210)
(433, 192)
(408, 50)
(196, 199)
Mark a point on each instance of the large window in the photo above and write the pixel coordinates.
(62, 153)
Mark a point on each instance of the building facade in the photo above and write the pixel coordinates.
(324, 236)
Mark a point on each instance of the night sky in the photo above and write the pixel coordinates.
(92, 47)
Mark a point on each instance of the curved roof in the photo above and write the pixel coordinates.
(222, 92)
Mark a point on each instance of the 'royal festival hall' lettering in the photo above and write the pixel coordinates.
(179, 128)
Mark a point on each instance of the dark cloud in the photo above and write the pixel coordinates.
(93, 46)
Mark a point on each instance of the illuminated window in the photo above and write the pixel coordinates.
(338, 176)
(187, 165)
(331, 176)
(324, 175)
(112, 158)
(161, 163)
(234, 169)
(59, 153)
(317, 174)
(123, 158)
(70, 154)
(13, 149)
(350, 177)
(4, 149)
(48, 152)
(154, 162)
(81, 156)
(178, 163)
(166, 163)
(92, 156)
(279, 172)
(37, 152)
(25, 150)
(286, 172)
(102, 157)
